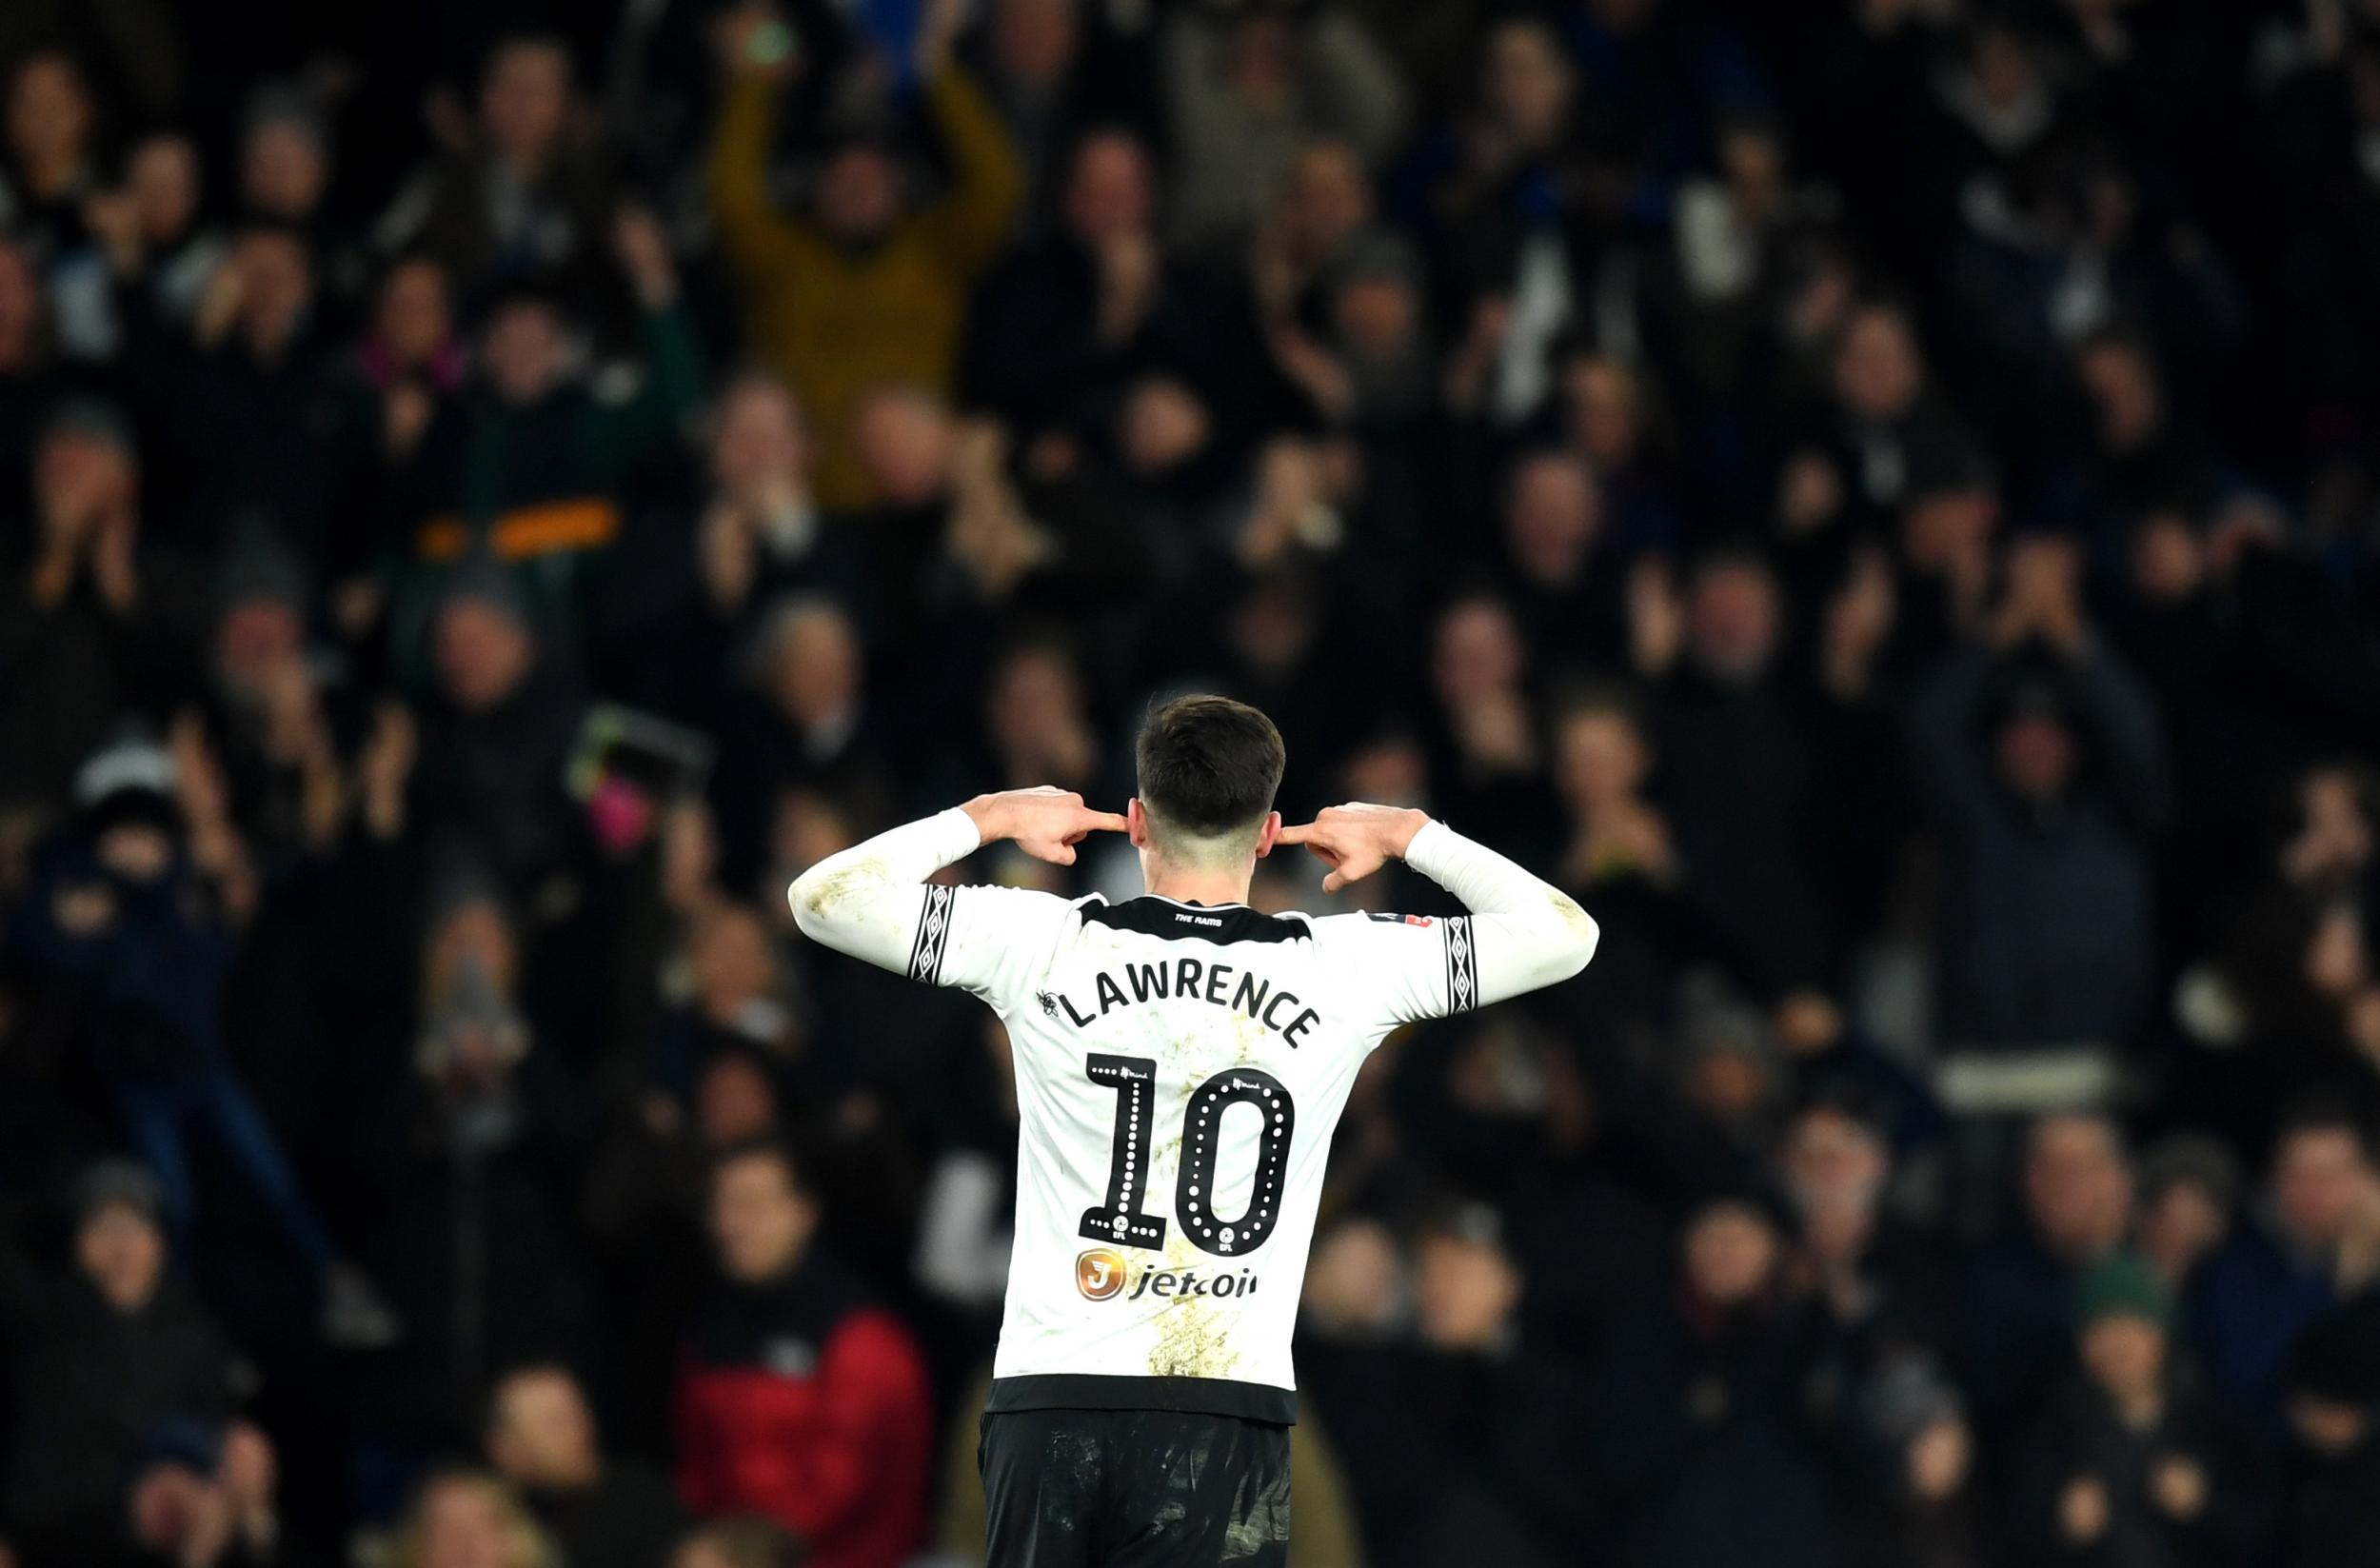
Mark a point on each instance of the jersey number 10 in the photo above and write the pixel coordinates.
(1120, 1221)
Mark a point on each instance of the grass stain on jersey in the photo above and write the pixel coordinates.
(1192, 1338)
(835, 888)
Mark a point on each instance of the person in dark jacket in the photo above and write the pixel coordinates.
(266, 439)
(113, 1369)
(1704, 1432)
(1464, 1442)
(497, 731)
(1065, 328)
(527, 469)
(473, 1131)
(603, 1512)
(2280, 1270)
(527, 192)
(81, 644)
(2131, 1466)
(798, 1397)
(123, 921)
(2331, 1507)
(1726, 709)
(2049, 786)
(2077, 1209)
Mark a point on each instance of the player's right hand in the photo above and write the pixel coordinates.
(1355, 840)
(1046, 822)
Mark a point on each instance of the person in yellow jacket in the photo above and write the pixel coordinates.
(860, 292)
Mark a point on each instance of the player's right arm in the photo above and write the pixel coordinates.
(876, 902)
(1522, 932)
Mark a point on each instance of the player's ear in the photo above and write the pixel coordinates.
(1137, 823)
(1267, 835)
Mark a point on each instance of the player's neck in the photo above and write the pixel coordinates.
(1198, 884)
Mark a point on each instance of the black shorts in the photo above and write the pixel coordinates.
(1133, 1489)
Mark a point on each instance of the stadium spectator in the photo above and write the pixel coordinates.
(600, 1511)
(799, 1399)
(2133, 1460)
(134, 914)
(2290, 1259)
(1244, 90)
(869, 289)
(464, 1518)
(517, 192)
(2047, 925)
(2077, 1195)
(2333, 1383)
(1701, 1425)
(1723, 704)
(119, 1374)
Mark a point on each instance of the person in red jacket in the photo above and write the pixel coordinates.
(798, 1397)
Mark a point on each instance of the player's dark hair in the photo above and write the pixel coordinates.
(1209, 765)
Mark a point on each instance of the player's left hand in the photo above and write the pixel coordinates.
(1355, 840)
(1046, 822)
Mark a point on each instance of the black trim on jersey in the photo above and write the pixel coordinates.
(1114, 1391)
(1224, 923)
(926, 958)
(1462, 966)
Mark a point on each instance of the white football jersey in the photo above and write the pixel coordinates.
(1180, 1069)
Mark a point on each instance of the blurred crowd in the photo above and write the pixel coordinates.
(1880, 498)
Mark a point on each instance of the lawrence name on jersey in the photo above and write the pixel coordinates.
(1181, 1061)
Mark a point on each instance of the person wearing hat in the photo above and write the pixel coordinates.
(119, 917)
(2131, 1464)
(2045, 774)
(117, 1371)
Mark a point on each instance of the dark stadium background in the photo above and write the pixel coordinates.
(1880, 498)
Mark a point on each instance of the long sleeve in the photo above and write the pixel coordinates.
(972, 221)
(874, 903)
(1522, 934)
(2132, 744)
(617, 437)
(760, 240)
(1355, 90)
(869, 901)
(1957, 779)
(1530, 933)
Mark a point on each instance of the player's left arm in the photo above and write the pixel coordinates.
(874, 900)
(1522, 932)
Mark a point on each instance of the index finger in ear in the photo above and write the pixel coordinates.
(1295, 835)
(1109, 822)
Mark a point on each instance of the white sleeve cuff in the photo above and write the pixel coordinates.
(956, 836)
(1433, 849)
